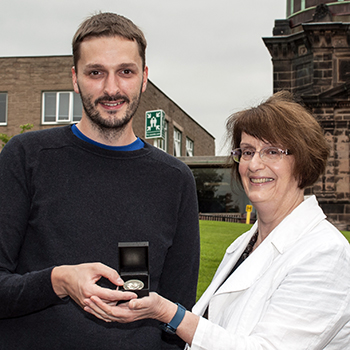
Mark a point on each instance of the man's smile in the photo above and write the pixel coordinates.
(109, 104)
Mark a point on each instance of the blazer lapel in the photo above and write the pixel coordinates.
(251, 269)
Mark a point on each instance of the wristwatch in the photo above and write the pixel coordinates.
(171, 327)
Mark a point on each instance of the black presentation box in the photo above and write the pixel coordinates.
(134, 264)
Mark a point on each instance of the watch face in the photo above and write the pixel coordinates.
(133, 285)
(167, 328)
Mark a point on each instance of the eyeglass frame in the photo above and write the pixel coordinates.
(281, 152)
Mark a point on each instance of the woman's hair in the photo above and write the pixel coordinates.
(108, 24)
(284, 123)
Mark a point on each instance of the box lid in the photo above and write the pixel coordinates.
(133, 257)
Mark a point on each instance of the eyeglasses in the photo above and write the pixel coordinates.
(267, 154)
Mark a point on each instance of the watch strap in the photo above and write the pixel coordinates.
(171, 327)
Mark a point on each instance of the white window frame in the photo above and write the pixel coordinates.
(162, 143)
(189, 147)
(4, 123)
(68, 117)
(177, 142)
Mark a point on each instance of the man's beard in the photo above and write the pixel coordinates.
(108, 126)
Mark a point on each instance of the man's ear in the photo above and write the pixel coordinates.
(145, 79)
(75, 80)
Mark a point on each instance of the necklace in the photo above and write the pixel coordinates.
(250, 246)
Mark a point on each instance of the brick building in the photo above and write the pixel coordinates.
(39, 90)
(311, 57)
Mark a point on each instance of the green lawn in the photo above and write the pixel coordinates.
(216, 236)
(346, 234)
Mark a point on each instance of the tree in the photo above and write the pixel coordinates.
(4, 138)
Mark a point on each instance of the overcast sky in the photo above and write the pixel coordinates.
(207, 56)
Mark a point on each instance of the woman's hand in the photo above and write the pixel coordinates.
(154, 306)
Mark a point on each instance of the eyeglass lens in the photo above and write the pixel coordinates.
(268, 154)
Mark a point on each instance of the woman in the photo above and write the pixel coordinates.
(284, 284)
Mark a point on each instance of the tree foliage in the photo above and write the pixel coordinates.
(4, 138)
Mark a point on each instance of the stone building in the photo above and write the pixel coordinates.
(39, 91)
(310, 52)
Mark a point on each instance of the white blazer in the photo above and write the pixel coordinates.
(293, 291)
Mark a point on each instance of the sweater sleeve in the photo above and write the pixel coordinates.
(20, 294)
(180, 272)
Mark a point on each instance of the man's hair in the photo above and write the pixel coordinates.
(108, 24)
(284, 123)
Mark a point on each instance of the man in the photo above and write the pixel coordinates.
(70, 194)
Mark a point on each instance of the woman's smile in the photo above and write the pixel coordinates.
(260, 180)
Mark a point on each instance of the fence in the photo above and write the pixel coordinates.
(235, 217)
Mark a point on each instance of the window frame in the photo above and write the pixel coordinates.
(71, 118)
(4, 123)
(177, 142)
(162, 143)
(189, 142)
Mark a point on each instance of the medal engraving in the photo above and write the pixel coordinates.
(133, 285)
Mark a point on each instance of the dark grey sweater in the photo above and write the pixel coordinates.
(65, 201)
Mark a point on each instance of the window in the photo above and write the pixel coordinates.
(189, 147)
(343, 70)
(291, 7)
(160, 143)
(215, 193)
(177, 142)
(3, 108)
(61, 107)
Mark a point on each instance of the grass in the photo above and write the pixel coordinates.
(216, 236)
(346, 234)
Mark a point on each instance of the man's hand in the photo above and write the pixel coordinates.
(153, 306)
(79, 283)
